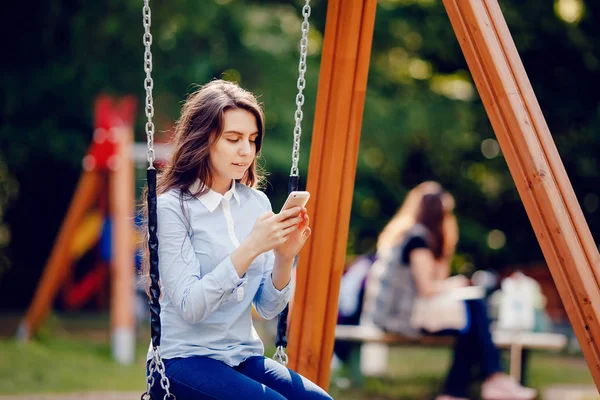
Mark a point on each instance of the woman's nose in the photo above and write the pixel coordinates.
(245, 148)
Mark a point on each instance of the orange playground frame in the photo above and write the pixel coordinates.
(526, 143)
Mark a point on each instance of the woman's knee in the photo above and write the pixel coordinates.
(323, 396)
(288, 383)
(310, 395)
(309, 391)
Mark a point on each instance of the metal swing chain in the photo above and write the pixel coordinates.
(156, 363)
(280, 355)
(301, 85)
(148, 84)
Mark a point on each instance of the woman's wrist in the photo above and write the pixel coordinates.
(250, 248)
(282, 260)
(282, 271)
(243, 256)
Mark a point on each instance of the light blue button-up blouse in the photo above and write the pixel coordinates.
(205, 305)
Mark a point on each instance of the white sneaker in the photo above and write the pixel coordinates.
(503, 387)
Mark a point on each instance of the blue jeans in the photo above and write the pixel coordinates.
(473, 348)
(256, 378)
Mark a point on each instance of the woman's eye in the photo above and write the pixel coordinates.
(233, 140)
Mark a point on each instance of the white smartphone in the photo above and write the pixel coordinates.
(296, 199)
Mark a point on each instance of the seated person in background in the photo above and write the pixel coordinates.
(413, 267)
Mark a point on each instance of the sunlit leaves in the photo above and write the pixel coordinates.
(570, 11)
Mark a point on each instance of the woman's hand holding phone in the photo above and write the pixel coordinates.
(285, 232)
(295, 240)
(271, 230)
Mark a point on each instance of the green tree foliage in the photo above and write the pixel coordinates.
(423, 118)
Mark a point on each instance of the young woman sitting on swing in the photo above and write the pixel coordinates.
(221, 250)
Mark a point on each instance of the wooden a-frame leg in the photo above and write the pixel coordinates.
(60, 259)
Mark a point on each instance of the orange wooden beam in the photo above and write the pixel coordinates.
(332, 168)
(60, 260)
(535, 165)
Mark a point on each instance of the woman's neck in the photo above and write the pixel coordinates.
(221, 186)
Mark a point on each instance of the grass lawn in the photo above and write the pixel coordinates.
(65, 365)
(71, 354)
(417, 373)
(78, 360)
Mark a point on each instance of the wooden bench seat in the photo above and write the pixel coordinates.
(516, 342)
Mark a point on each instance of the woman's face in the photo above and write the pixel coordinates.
(234, 152)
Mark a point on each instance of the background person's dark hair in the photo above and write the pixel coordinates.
(430, 205)
(431, 215)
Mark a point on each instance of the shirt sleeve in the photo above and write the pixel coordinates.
(269, 301)
(196, 297)
(412, 243)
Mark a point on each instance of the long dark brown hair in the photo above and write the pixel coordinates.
(199, 127)
(430, 205)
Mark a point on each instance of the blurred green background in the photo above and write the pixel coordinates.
(423, 119)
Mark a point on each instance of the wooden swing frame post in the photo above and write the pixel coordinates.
(526, 143)
(334, 150)
(534, 163)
